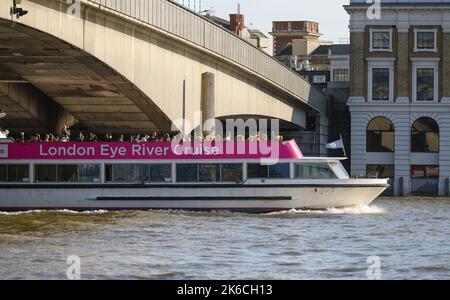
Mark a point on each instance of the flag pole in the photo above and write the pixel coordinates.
(343, 145)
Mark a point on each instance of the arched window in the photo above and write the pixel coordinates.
(380, 135)
(425, 136)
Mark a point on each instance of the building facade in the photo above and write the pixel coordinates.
(297, 44)
(399, 93)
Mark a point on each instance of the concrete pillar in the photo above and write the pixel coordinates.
(402, 83)
(402, 156)
(208, 105)
(446, 65)
(358, 142)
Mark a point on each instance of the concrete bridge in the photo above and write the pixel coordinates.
(135, 65)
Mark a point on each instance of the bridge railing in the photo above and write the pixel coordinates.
(180, 21)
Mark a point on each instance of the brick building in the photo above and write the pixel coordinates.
(399, 94)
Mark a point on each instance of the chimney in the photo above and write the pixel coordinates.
(237, 22)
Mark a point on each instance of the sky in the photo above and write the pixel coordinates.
(329, 13)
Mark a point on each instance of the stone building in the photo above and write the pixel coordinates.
(297, 44)
(399, 93)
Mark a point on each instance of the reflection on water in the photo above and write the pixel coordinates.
(411, 236)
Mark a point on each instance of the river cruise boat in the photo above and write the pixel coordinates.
(251, 177)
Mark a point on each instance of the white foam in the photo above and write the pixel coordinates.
(357, 210)
(66, 211)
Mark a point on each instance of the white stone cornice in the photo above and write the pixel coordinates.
(356, 28)
(425, 59)
(381, 59)
(402, 100)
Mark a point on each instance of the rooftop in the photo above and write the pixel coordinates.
(340, 49)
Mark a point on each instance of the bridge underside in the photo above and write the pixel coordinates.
(45, 82)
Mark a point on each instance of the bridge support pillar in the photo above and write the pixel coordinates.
(208, 105)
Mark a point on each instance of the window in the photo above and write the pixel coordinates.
(380, 135)
(425, 73)
(380, 78)
(314, 171)
(424, 180)
(279, 171)
(425, 40)
(138, 173)
(45, 173)
(67, 173)
(187, 172)
(268, 171)
(425, 171)
(14, 173)
(231, 172)
(319, 79)
(425, 84)
(380, 40)
(341, 75)
(257, 171)
(209, 173)
(425, 136)
(380, 171)
(380, 84)
(160, 173)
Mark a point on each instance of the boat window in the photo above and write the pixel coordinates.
(339, 170)
(138, 173)
(187, 172)
(45, 173)
(231, 172)
(3, 172)
(257, 171)
(123, 173)
(161, 173)
(209, 172)
(268, 171)
(141, 173)
(279, 171)
(314, 171)
(67, 173)
(14, 173)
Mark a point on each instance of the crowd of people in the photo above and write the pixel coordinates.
(67, 136)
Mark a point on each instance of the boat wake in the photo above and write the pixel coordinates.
(357, 210)
(64, 211)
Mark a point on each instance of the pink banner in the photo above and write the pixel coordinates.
(149, 151)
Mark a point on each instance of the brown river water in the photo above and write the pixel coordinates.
(409, 238)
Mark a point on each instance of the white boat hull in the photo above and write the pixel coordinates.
(249, 197)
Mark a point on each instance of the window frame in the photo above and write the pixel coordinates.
(380, 131)
(430, 30)
(380, 63)
(378, 166)
(15, 165)
(57, 165)
(425, 63)
(380, 30)
(438, 140)
(340, 69)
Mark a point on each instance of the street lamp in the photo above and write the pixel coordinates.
(17, 11)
